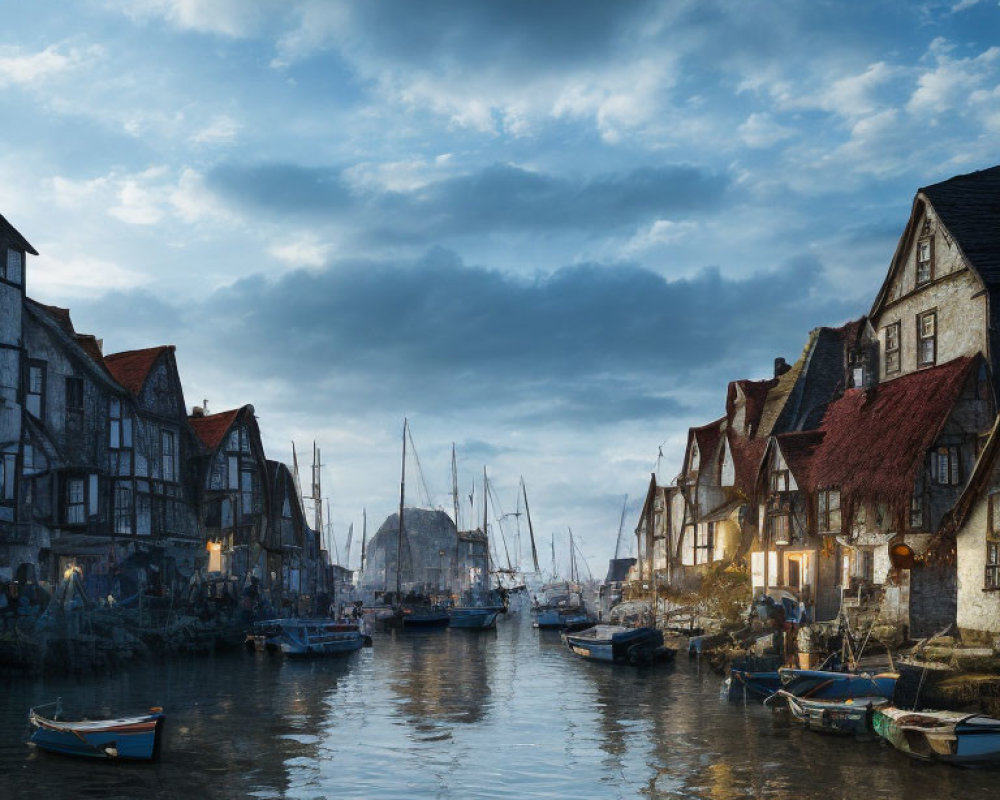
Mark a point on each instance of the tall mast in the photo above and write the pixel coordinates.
(621, 522)
(572, 558)
(454, 484)
(364, 536)
(317, 493)
(531, 530)
(399, 538)
(486, 562)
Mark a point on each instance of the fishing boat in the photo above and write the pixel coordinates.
(852, 717)
(831, 685)
(306, 637)
(949, 736)
(616, 644)
(757, 685)
(136, 738)
(473, 617)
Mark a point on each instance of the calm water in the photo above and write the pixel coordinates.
(455, 714)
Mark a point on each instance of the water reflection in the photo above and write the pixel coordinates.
(455, 715)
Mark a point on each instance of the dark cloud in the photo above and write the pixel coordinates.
(516, 33)
(497, 198)
(588, 343)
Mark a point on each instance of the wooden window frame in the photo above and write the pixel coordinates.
(917, 507)
(950, 458)
(42, 369)
(168, 454)
(893, 329)
(704, 544)
(922, 337)
(928, 277)
(74, 394)
(828, 516)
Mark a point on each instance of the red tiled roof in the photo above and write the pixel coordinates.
(132, 367)
(875, 440)
(212, 429)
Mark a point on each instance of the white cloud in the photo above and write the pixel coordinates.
(233, 18)
(192, 201)
(303, 252)
(35, 68)
(58, 274)
(222, 129)
(760, 130)
(951, 81)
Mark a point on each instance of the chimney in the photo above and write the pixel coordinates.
(197, 411)
(780, 367)
(100, 346)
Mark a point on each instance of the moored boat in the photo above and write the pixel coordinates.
(307, 637)
(950, 736)
(852, 717)
(136, 737)
(616, 644)
(473, 617)
(831, 685)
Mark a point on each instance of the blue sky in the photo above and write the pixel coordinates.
(550, 232)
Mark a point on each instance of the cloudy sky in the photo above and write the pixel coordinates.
(549, 232)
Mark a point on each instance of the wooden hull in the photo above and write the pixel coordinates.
(136, 738)
(614, 644)
(302, 638)
(948, 736)
(846, 717)
(561, 619)
(756, 685)
(473, 618)
(826, 685)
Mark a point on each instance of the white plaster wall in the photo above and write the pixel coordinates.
(977, 610)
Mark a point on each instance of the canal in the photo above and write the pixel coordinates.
(454, 714)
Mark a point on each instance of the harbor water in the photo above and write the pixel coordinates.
(454, 714)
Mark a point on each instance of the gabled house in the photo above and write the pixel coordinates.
(235, 496)
(970, 538)
(939, 300)
(155, 488)
(893, 460)
(285, 537)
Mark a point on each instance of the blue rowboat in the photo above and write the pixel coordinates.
(851, 717)
(953, 737)
(616, 644)
(820, 684)
(136, 738)
(473, 617)
(745, 683)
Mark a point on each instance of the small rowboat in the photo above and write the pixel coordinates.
(135, 738)
(949, 736)
(852, 717)
(616, 644)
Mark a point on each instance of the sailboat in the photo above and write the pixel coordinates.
(409, 613)
(481, 613)
(563, 606)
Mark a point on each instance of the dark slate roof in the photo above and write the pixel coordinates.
(14, 237)
(131, 368)
(212, 429)
(969, 207)
(707, 437)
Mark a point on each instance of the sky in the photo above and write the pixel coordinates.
(549, 233)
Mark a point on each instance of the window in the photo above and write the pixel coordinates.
(76, 505)
(779, 480)
(34, 401)
(705, 544)
(858, 365)
(74, 395)
(13, 267)
(946, 466)
(926, 338)
(8, 475)
(286, 509)
(916, 511)
(828, 508)
(246, 492)
(892, 360)
(992, 565)
(123, 507)
(169, 441)
(925, 260)
(778, 529)
(120, 426)
(993, 518)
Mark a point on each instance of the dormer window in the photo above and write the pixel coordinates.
(13, 271)
(925, 260)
